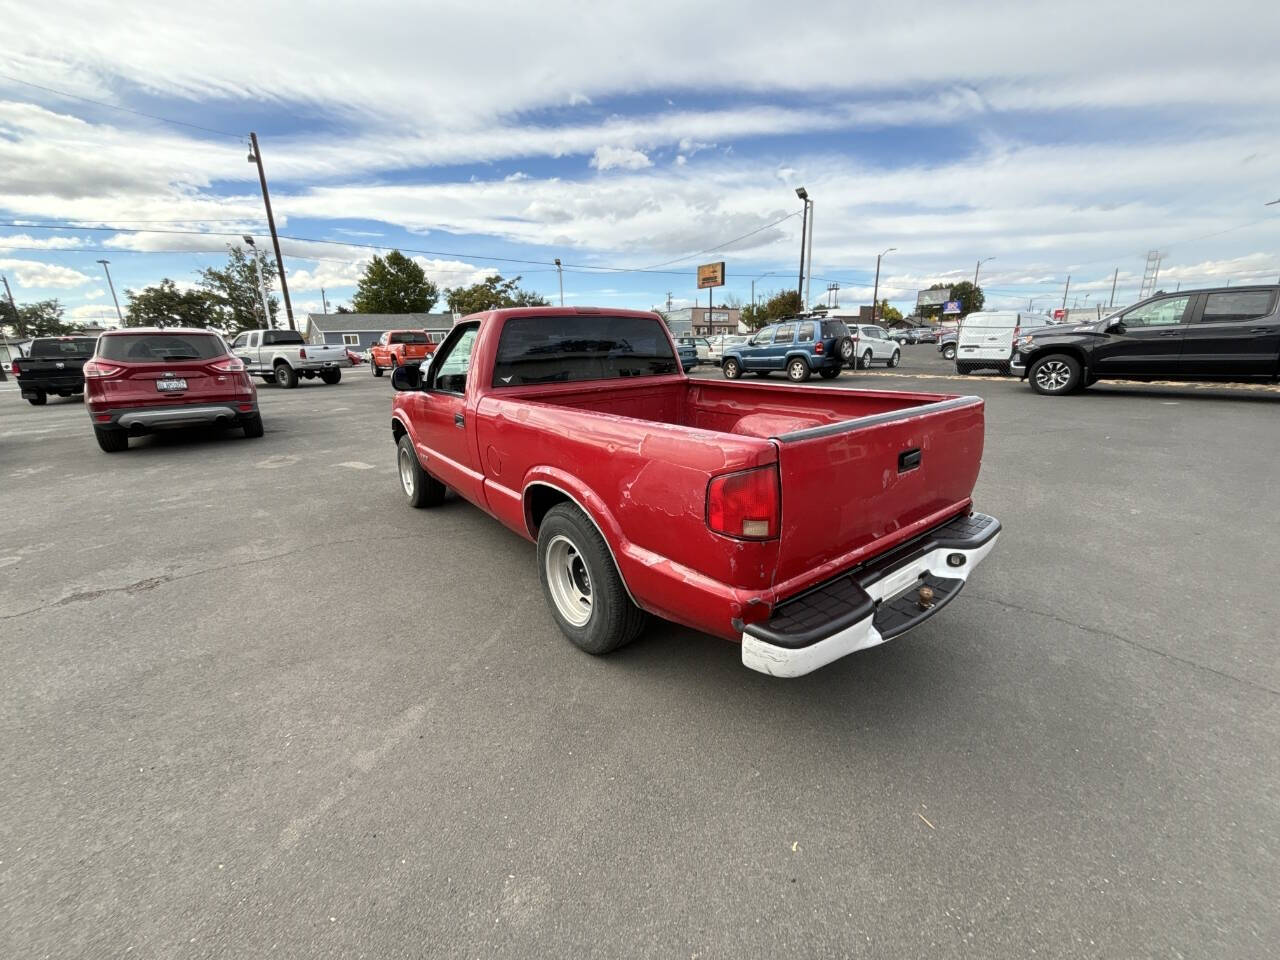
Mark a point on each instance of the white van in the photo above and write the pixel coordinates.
(986, 339)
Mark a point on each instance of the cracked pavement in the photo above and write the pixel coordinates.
(255, 704)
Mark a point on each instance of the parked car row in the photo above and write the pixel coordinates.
(804, 346)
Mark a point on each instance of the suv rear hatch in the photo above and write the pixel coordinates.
(855, 489)
(166, 369)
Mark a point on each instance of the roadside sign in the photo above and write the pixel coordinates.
(1059, 314)
(711, 275)
(951, 306)
(933, 298)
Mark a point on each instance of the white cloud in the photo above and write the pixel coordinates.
(44, 276)
(626, 158)
(28, 242)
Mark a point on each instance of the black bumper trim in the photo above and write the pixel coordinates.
(841, 602)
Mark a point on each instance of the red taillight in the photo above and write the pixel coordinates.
(1017, 331)
(17, 370)
(99, 369)
(228, 365)
(745, 505)
(817, 347)
(302, 353)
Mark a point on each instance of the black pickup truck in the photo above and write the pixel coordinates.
(1222, 333)
(53, 365)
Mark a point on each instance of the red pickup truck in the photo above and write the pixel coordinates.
(396, 348)
(804, 523)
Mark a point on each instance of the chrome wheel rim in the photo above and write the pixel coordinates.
(1053, 375)
(568, 580)
(406, 472)
(846, 350)
(731, 370)
(797, 371)
(282, 375)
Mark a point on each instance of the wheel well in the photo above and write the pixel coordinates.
(1072, 352)
(280, 362)
(397, 430)
(798, 356)
(538, 499)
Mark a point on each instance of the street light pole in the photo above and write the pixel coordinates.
(808, 279)
(262, 290)
(560, 275)
(119, 315)
(804, 230)
(255, 156)
(324, 301)
(875, 290)
(976, 267)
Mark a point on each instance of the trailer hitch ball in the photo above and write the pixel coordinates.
(924, 598)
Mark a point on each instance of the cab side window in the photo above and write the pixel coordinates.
(448, 370)
(239, 342)
(1158, 313)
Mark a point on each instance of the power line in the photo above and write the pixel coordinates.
(114, 106)
(721, 246)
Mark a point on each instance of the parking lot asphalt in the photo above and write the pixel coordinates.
(256, 705)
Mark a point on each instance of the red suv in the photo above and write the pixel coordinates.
(140, 380)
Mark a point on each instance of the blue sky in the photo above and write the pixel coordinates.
(1060, 139)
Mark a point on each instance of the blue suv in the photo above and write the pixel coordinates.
(800, 346)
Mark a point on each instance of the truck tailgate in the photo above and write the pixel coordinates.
(852, 490)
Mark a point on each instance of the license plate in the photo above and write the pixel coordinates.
(170, 385)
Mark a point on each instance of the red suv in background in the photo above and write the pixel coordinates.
(141, 379)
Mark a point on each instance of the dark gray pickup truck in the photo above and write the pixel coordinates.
(53, 365)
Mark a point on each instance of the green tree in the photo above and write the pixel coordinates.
(164, 305)
(394, 284)
(888, 314)
(234, 289)
(40, 319)
(493, 293)
(971, 298)
(785, 303)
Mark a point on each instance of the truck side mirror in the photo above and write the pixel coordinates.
(406, 378)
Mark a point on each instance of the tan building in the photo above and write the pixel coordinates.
(696, 321)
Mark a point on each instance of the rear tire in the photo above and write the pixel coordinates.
(581, 585)
(798, 371)
(331, 376)
(111, 441)
(39, 400)
(420, 488)
(731, 369)
(829, 373)
(896, 358)
(252, 426)
(1055, 375)
(865, 362)
(286, 376)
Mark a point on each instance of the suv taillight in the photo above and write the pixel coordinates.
(302, 353)
(745, 505)
(817, 347)
(98, 369)
(228, 365)
(17, 370)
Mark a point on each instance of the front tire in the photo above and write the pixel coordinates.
(331, 376)
(420, 488)
(111, 441)
(1055, 375)
(374, 368)
(731, 369)
(286, 376)
(896, 358)
(798, 371)
(581, 584)
(949, 352)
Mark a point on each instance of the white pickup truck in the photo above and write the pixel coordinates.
(282, 356)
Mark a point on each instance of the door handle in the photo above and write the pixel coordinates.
(1259, 329)
(1172, 333)
(458, 420)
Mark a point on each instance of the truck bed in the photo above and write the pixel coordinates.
(860, 471)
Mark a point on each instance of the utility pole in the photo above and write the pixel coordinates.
(324, 300)
(119, 315)
(560, 275)
(1064, 292)
(16, 325)
(668, 301)
(262, 289)
(808, 278)
(875, 290)
(255, 156)
(1114, 277)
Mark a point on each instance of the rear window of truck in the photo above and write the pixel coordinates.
(409, 336)
(568, 349)
(63, 347)
(160, 347)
